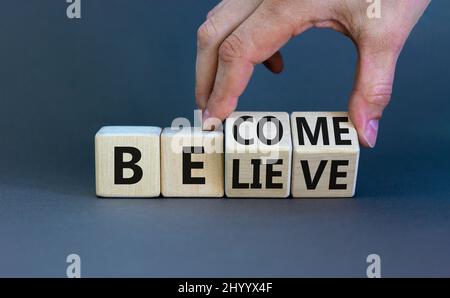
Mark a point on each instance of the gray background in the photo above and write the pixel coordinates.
(132, 63)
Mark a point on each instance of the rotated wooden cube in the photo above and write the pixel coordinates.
(326, 155)
(258, 149)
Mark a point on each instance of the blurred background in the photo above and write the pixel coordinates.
(133, 63)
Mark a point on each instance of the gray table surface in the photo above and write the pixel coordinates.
(133, 64)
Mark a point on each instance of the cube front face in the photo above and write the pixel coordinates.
(326, 155)
(258, 150)
(127, 161)
(192, 163)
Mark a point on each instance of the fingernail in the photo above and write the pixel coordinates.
(371, 132)
(206, 115)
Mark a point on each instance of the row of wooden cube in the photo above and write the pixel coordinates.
(261, 154)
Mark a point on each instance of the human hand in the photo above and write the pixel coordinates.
(241, 33)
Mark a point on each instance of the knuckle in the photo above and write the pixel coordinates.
(277, 8)
(206, 34)
(231, 49)
(379, 95)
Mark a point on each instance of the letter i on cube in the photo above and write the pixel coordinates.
(258, 149)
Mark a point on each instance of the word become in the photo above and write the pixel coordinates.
(259, 154)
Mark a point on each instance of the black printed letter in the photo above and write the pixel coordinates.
(188, 165)
(236, 183)
(338, 131)
(236, 134)
(270, 173)
(312, 183)
(334, 174)
(302, 124)
(119, 165)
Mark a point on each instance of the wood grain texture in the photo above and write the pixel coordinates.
(260, 166)
(147, 140)
(326, 155)
(192, 163)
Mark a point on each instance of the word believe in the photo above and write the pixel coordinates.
(260, 154)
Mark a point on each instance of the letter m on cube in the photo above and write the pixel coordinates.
(325, 155)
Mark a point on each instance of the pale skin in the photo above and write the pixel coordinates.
(238, 34)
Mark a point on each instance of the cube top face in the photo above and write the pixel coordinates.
(210, 141)
(326, 155)
(193, 132)
(192, 163)
(129, 131)
(323, 131)
(249, 132)
(127, 161)
(258, 149)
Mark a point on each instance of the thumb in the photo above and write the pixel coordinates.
(372, 91)
(256, 40)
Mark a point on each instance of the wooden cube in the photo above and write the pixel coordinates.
(258, 149)
(127, 161)
(192, 163)
(326, 154)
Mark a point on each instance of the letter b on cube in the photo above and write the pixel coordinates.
(127, 161)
